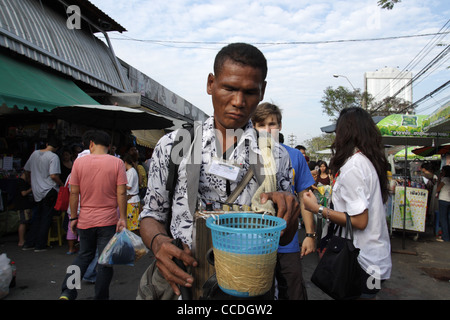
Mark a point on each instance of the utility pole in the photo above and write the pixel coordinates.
(292, 139)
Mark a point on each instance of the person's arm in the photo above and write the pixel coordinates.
(122, 204)
(438, 188)
(359, 221)
(155, 237)
(73, 203)
(308, 244)
(153, 215)
(56, 178)
(24, 193)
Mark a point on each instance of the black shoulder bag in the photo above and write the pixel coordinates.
(338, 272)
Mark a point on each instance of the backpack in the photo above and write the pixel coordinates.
(152, 285)
(194, 169)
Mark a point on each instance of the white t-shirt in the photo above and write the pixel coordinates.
(357, 188)
(42, 164)
(133, 182)
(444, 194)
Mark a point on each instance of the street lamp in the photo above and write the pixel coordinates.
(339, 75)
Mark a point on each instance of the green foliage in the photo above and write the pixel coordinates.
(388, 4)
(334, 100)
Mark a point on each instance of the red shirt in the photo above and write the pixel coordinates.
(98, 177)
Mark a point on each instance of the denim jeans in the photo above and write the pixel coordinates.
(91, 273)
(41, 221)
(444, 219)
(91, 240)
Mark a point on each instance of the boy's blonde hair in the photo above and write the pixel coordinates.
(264, 110)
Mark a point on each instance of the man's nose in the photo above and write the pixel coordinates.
(239, 99)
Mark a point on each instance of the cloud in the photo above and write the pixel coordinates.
(298, 73)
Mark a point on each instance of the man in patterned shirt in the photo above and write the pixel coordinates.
(236, 87)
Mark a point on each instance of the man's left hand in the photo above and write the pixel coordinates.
(288, 208)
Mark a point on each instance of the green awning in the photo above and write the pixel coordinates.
(25, 86)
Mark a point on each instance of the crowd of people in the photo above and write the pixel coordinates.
(52, 170)
(109, 193)
(52, 167)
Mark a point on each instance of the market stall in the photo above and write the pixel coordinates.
(407, 130)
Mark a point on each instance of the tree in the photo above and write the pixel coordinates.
(390, 105)
(388, 4)
(334, 100)
(315, 144)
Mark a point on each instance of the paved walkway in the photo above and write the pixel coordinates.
(421, 271)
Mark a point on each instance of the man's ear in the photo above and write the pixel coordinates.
(263, 90)
(209, 83)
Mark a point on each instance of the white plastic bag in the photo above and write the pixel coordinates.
(5, 275)
(124, 248)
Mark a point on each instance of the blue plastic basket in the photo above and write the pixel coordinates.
(246, 245)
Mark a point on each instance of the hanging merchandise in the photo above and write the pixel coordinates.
(5, 275)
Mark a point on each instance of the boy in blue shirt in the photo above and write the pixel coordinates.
(289, 276)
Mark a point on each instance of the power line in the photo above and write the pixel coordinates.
(435, 60)
(439, 102)
(418, 58)
(427, 96)
(174, 42)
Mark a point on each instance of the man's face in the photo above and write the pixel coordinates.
(303, 151)
(236, 92)
(270, 124)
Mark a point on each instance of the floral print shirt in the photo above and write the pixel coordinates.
(212, 188)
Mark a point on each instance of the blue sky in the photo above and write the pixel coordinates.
(299, 72)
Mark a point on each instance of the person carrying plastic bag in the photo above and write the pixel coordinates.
(124, 248)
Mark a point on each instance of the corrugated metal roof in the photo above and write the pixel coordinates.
(36, 31)
(90, 11)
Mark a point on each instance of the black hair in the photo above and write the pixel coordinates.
(241, 53)
(128, 158)
(53, 141)
(99, 137)
(355, 129)
(446, 171)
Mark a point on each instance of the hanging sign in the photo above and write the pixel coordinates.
(415, 210)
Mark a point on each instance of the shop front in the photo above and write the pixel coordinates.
(27, 95)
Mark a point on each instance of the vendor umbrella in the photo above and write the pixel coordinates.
(111, 117)
(400, 129)
(438, 121)
(429, 151)
(400, 155)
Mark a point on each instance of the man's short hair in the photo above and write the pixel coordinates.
(53, 141)
(99, 137)
(241, 53)
(300, 147)
(264, 110)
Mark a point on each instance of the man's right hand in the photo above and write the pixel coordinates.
(164, 251)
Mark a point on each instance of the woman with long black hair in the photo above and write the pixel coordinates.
(360, 188)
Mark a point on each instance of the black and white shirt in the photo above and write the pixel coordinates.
(212, 188)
